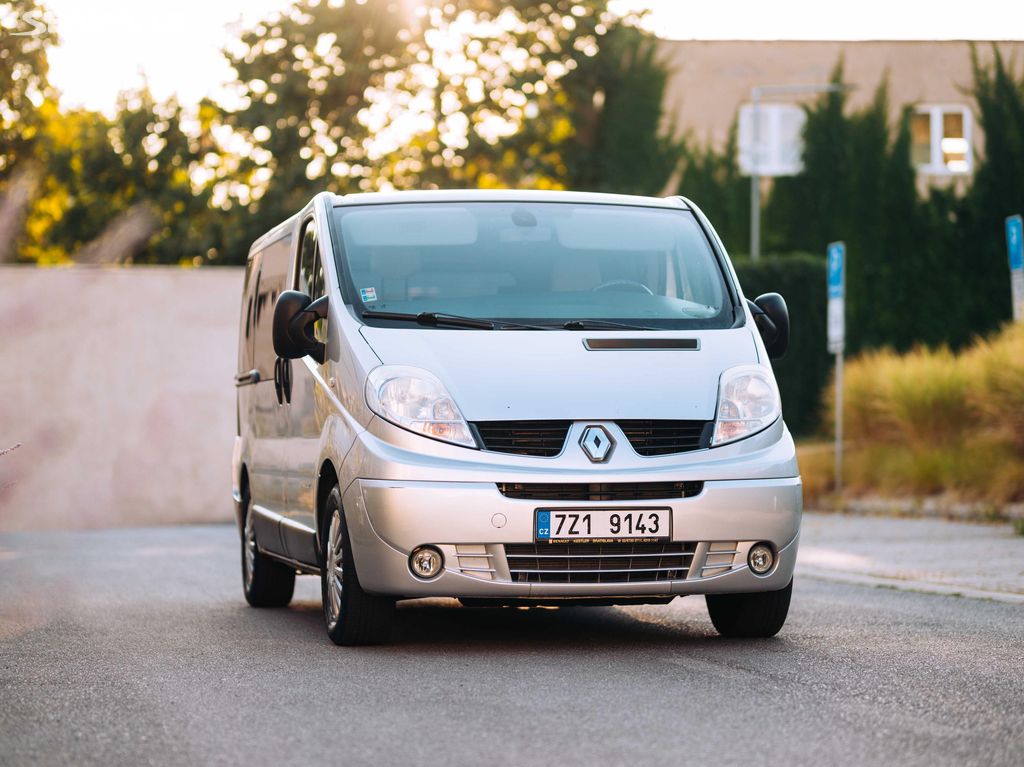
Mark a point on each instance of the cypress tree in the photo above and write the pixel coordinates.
(997, 192)
(713, 181)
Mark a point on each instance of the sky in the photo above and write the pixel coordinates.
(109, 46)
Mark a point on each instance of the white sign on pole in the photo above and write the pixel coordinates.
(1015, 250)
(836, 297)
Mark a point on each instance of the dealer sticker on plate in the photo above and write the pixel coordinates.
(598, 525)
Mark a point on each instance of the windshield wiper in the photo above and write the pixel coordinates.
(595, 324)
(431, 319)
(439, 319)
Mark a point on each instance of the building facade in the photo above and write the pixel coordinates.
(764, 83)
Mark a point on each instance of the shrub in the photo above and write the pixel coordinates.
(866, 415)
(928, 398)
(918, 399)
(930, 422)
(998, 365)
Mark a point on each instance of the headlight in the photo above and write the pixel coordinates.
(415, 400)
(748, 401)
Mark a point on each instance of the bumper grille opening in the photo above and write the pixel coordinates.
(666, 437)
(543, 439)
(720, 558)
(598, 562)
(600, 491)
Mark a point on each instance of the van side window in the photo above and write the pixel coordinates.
(311, 270)
(250, 289)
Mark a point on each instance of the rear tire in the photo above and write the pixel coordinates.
(266, 583)
(761, 614)
(352, 616)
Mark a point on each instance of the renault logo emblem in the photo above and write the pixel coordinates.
(597, 443)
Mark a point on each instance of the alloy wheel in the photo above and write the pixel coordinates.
(334, 568)
(250, 549)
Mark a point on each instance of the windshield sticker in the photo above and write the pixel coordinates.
(368, 294)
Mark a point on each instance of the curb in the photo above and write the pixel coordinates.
(925, 587)
(936, 507)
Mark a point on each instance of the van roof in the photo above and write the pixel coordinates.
(506, 195)
(477, 195)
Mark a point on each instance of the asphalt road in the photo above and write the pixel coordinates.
(135, 647)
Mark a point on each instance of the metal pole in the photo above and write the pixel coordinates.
(755, 179)
(839, 423)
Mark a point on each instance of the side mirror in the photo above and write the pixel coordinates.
(294, 316)
(772, 319)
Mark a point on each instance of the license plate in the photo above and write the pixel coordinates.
(598, 525)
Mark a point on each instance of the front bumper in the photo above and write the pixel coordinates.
(471, 522)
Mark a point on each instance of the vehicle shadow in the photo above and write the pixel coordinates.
(443, 625)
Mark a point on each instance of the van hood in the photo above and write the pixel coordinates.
(551, 375)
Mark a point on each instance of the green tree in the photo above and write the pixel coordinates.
(481, 94)
(857, 185)
(996, 192)
(616, 99)
(712, 179)
(311, 85)
(806, 211)
(593, 89)
(98, 167)
(26, 32)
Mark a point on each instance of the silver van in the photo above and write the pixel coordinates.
(510, 398)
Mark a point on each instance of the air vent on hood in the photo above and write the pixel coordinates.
(641, 344)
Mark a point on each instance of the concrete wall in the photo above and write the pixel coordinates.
(118, 383)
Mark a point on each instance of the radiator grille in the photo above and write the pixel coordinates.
(546, 438)
(666, 437)
(537, 438)
(598, 562)
(604, 491)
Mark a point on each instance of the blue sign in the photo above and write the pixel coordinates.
(836, 270)
(1015, 242)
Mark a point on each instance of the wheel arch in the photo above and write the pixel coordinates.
(242, 500)
(327, 478)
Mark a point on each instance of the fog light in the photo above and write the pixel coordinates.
(761, 558)
(425, 562)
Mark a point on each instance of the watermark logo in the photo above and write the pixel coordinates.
(33, 19)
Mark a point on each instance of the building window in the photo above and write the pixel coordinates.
(941, 140)
(779, 140)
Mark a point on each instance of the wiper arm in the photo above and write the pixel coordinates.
(586, 324)
(436, 319)
(431, 319)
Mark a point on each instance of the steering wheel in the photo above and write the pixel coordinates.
(631, 285)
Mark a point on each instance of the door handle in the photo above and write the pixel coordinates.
(245, 379)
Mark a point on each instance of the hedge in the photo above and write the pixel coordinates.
(804, 372)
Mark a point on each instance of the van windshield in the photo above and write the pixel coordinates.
(544, 263)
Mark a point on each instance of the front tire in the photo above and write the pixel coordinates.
(266, 583)
(353, 617)
(761, 614)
